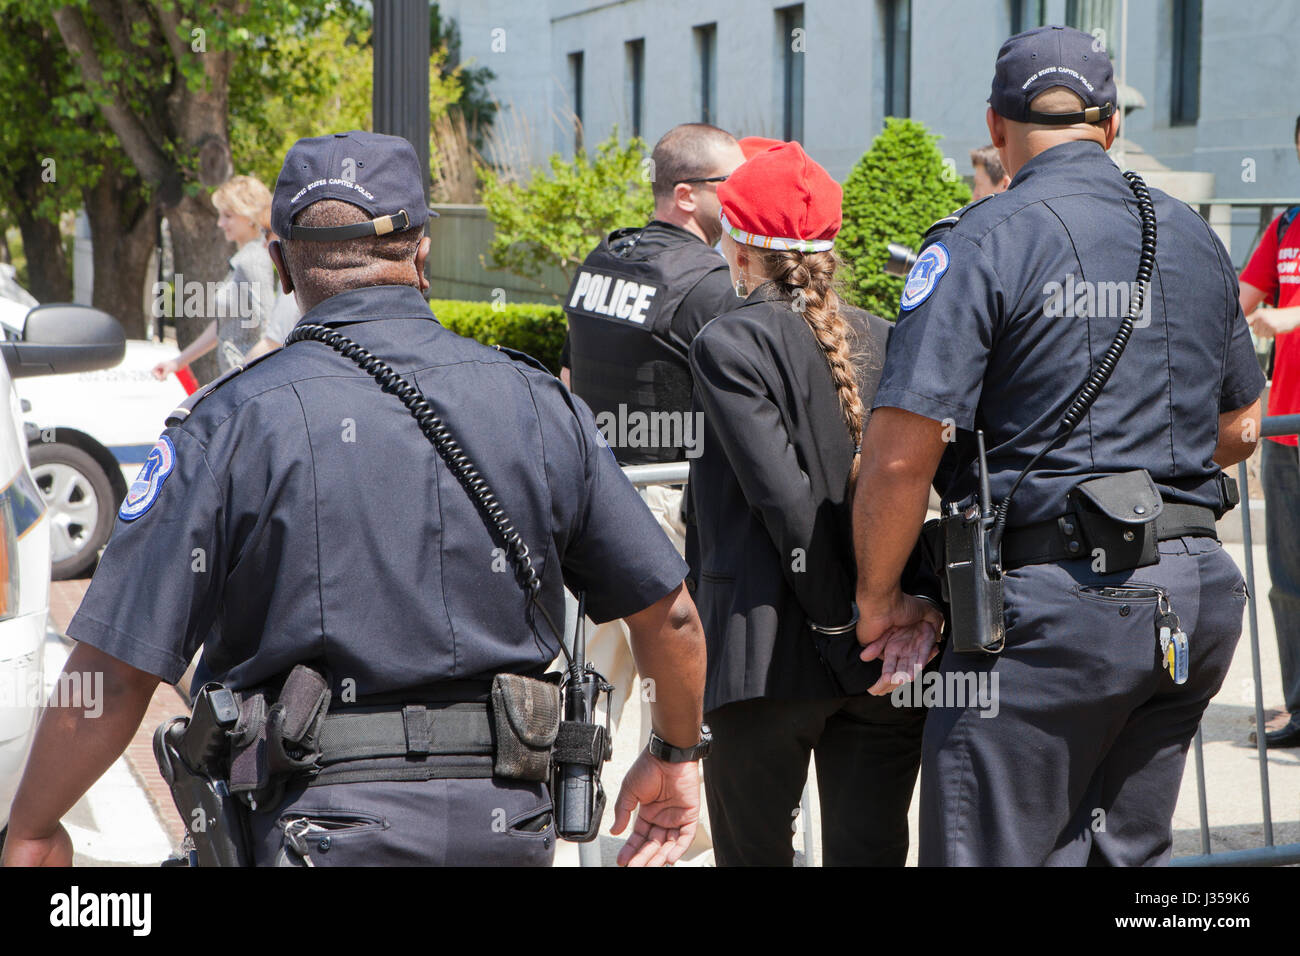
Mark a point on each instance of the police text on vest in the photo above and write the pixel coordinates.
(605, 295)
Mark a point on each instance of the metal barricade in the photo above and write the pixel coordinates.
(1268, 854)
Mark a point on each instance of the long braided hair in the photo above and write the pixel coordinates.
(807, 281)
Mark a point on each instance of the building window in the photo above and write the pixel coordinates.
(1185, 108)
(575, 97)
(790, 36)
(1098, 17)
(1027, 14)
(898, 57)
(706, 72)
(635, 82)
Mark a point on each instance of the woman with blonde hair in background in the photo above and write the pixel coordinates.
(242, 302)
(785, 398)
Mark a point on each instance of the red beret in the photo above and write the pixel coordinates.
(752, 145)
(781, 199)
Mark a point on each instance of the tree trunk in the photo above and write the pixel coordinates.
(201, 253)
(193, 129)
(123, 230)
(48, 277)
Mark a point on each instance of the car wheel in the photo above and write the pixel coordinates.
(80, 500)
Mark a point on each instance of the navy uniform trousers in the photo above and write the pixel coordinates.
(450, 822)
(1083, 761)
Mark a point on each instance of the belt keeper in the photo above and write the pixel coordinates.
(415, 721)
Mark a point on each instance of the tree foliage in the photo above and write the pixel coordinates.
(557, 217)
(897, 190)
(310, 79)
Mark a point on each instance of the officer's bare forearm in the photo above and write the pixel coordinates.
(1238, 435)
(73, 748)
(668, 644)
(900, 453)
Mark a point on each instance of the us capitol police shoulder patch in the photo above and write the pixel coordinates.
(148, 484)
(930, 266)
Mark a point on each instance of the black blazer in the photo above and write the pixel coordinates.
(771, 546)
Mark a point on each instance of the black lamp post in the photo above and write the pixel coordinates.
(401, 65)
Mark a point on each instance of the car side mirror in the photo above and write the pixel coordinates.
(61, 337)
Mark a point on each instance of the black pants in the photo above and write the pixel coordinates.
(867, 752)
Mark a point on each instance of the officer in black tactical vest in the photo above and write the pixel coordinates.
(634, 308)
(641, 296)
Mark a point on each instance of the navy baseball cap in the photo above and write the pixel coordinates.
(379, 173)
(1039, 59)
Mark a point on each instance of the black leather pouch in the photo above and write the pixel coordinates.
(1117, 516)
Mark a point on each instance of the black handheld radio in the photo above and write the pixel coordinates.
(972, 572)
(576, 789)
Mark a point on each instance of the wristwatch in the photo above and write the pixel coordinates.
(666, 752)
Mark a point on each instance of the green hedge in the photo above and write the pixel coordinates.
(528, 327)
(898, 188)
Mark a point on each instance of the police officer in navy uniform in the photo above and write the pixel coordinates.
(1012, 302)
(296, 514)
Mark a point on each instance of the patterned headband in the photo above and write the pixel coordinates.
(774, 242)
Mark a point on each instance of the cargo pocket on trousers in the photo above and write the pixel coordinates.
(330, 838)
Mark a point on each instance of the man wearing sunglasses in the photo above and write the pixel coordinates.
(634, 307)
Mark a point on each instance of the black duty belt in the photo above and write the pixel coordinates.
(388, 743)
(1058, 539)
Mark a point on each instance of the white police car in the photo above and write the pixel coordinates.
(47, 340)
(88, 435)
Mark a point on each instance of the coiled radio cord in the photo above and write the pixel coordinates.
(1097, 379)
(439, 435)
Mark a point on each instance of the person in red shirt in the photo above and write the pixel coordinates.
(1270, 298)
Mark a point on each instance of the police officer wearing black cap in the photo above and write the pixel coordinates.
(1090, 595)
(355, 587)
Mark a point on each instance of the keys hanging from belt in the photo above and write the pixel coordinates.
(296, 832)
(1174, 653)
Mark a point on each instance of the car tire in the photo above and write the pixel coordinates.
(80, 500)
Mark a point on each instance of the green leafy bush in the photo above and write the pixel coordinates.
(528, 327)
(896, 191)
(557, 219)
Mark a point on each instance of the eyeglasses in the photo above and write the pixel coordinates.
(707, 179)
